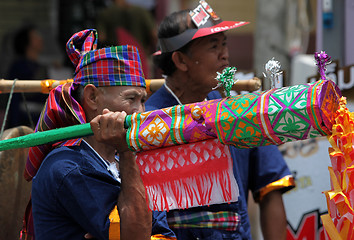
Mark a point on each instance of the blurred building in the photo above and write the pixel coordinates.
(288, 30)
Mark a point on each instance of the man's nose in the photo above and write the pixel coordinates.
(224, 53)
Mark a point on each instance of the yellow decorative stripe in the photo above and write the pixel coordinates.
(179, 122)
(65, 81)
(148, 88)
(263, 114)
(133, 139)
(46, 85)
(160, 236)
(285, 182)
(330, 228)
(114, 227)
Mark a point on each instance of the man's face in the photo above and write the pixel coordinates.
(123, 98)
(208, 55)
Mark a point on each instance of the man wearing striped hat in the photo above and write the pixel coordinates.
(78, 183)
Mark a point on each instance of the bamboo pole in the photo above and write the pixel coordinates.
(152, 85)
(50, 136)
(324, 98)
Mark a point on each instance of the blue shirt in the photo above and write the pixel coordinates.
(253, 169)
(73, 193)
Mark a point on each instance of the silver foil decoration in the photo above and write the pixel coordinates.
(273, 72)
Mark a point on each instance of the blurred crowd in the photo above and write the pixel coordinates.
(29, 52)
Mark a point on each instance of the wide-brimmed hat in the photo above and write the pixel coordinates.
(206, 23)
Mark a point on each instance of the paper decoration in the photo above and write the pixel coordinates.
(189, 175)
(322, 60)
(226, 79)
(255, 119)
(338, 223)
(273, 72)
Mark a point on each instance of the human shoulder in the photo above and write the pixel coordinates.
(61, 161)
(66, 163)
(153, 101)
(214, 95)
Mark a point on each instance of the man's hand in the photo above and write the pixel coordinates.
(109, 128)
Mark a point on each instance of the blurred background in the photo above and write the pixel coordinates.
(283, 29)
(33, 35)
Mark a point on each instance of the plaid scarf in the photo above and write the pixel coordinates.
(60, 110)
(223, 220)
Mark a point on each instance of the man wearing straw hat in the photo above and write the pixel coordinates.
(192, 50)
(78, 183)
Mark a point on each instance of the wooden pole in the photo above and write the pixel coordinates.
(50, 136)
(44, 86)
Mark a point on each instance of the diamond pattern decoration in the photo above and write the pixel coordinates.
(155, 132)
(172, 159)
(196, 170)
(250, 120)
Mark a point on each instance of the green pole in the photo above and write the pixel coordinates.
(50, 136)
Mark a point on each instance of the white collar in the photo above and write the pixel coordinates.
(172, 93)
(111, 167)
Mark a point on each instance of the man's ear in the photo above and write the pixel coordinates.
(179, 60)
(90, 97)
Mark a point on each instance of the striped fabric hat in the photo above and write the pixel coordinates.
(111, 66)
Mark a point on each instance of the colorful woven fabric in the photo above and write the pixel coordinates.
(255, 119)
(112, 66)
(218, 220)
(60, 110)
(169, 126)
